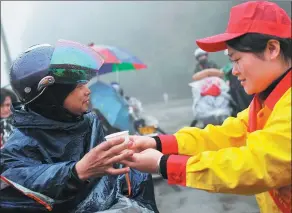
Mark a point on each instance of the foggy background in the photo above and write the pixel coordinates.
(162, 34)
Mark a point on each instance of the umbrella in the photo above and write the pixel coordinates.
(117, 59)
(113, 107)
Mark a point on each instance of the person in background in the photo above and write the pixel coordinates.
(134, 103)
(203, 61)
(7, 98)
(118, 88)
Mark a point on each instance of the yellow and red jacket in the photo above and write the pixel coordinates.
(249, 154)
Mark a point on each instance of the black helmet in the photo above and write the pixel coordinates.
(43, 65)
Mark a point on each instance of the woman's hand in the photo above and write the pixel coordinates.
(99, 161)
(145, 161)
(141, 143)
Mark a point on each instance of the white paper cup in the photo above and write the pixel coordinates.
(124, 134)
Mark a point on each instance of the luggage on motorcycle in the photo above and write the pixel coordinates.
(211, 88)
(211, 108)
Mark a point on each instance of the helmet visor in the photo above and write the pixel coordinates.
(73, 63)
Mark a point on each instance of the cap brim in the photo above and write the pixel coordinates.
(217, 42)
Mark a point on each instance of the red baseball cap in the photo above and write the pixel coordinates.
(250, 17)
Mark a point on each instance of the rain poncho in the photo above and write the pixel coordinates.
(38, 160)
(249, 154)
(211, 108)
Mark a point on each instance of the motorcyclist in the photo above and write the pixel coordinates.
(135, 105)
(202, 61)
(56, 155)
(118, 88)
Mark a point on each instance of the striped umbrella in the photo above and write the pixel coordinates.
(116, 59)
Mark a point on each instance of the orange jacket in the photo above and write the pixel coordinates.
(250, 154)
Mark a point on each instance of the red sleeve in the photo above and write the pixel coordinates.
(169, 144)
(176, 169)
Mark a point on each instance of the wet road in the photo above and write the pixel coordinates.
(175, 199)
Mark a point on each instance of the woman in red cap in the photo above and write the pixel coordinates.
(249, 154)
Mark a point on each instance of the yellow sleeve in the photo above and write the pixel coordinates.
(192, 141)
(262, 164)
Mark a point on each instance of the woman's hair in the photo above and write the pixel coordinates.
(7, 93)
(256, 43)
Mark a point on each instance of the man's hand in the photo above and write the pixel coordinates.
(145, 161)
(99, 161)
(141, 143)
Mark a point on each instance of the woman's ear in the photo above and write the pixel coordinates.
(273, 49)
